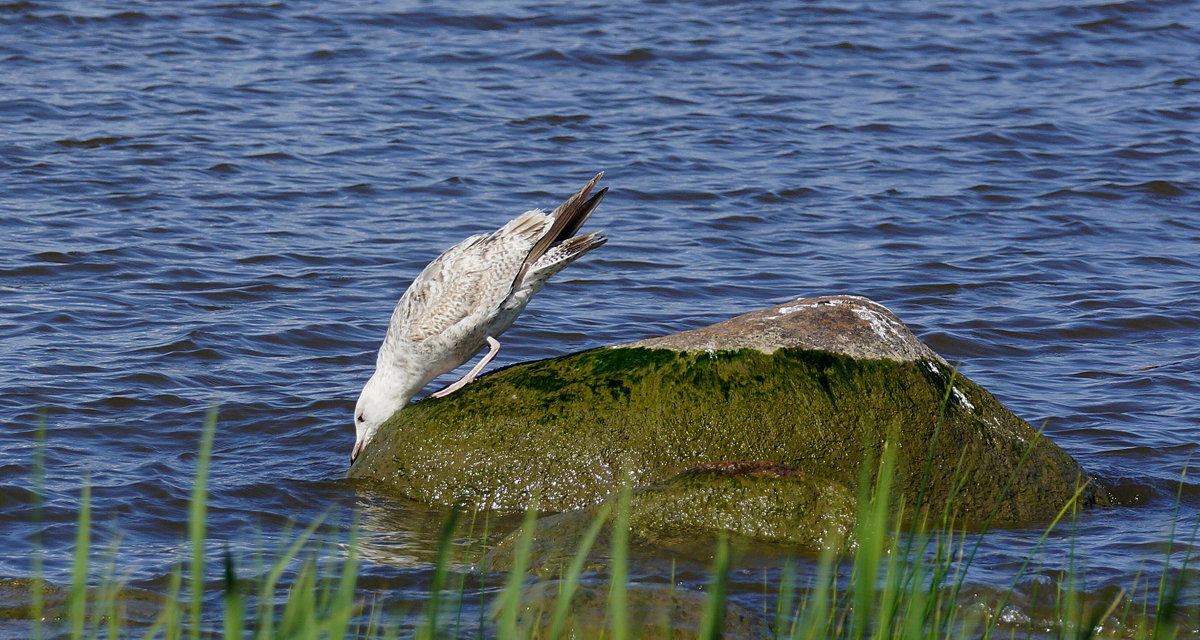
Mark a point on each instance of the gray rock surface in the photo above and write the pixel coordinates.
(848, 325)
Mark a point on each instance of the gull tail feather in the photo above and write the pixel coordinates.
(558, 257)
(568, 218)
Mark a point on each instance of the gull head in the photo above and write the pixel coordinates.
(375, 405)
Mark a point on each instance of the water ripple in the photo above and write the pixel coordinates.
(219, 204)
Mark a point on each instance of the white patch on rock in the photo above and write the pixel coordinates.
(792, 308)
(962, 398)
(881, 325)
(1012, 433)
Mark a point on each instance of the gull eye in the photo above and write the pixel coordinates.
(361, 419)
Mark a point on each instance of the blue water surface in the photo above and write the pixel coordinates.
(219, 203)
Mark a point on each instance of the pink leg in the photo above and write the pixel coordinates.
(470, 377)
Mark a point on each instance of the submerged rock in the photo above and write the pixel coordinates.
(16, 601)
(815, 385)
(756, 500)
(653, 612)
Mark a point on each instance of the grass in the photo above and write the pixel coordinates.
(889, 581)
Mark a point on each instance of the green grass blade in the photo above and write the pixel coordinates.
(1168, 596)
(821, 602)
(37, 586)
(914, 619)
(107, 603)
(168, 620)
(784, 598)
(1032, 553)
(871, 533)
(618, 613)
(343, 608)
(440, 566)
(956, 587)
(713, 621)
(570, 581)
(267, 587)
(77, 602)
(510, 599)
(298, 619)
(483, 568)
(197, 518)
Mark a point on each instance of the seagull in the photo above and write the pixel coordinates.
(466, 298)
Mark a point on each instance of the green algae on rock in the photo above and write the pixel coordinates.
(815, 384)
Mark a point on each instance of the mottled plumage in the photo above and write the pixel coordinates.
(464, 299)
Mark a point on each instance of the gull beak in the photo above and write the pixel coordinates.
(359, 445)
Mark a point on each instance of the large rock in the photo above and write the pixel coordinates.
(815, 385)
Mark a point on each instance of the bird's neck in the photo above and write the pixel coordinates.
(398, 387)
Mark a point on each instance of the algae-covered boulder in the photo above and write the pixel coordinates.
(815, 385)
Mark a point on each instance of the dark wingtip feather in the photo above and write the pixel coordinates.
(572, 203)
(584, 213)
(568, 218)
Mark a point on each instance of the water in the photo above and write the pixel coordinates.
(220, 204)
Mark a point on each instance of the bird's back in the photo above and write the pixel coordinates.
(479, 286)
